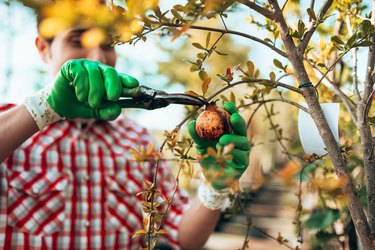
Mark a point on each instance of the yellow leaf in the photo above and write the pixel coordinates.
(330, 184)
(191, 92)
(135, 26)
(51, 26)
(93, 38)
(139, 233)
(162, 231)
(272, 76)
(150, 149)
(145, 221)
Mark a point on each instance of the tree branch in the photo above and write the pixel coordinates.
(365, 132)
(277, 100)
(257, 8)
(354, 204)
(355, 61)
(233, 32)
(277, 84)
(349, 104)
(331, 68)
(309, 33)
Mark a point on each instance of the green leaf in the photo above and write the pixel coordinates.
(194, 68)
(208, 37)
(363, 44)
(321, 65)
(363, 195)
(278, 64)
(301, 28)
(202, 75)
(323, 236)
(200, 56)
(351, 41)
(198, 45)
(250, 68)
(176, 14)
(323, 218)
(268, 40)
(158, 12)
(337, 40)
(272, 76)
(220, 53)
(232, 98)
(179, 7)
(311, 14)
(371, 120)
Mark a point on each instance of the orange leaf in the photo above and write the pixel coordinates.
(139, 233)
(212, 152)
(205, 84)
(162, 231)
(288, 171)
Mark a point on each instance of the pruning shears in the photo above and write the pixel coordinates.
(149, 98)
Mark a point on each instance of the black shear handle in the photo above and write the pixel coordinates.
(143, 104)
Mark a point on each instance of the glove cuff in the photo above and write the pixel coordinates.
(40, 110)
(211, 198)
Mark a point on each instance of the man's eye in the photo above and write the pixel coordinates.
(76, 42)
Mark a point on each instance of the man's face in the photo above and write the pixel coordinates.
(67, 45)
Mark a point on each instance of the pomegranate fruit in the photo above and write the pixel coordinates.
(213, 123)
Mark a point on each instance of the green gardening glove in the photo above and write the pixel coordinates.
(84, 89)
(234, 167)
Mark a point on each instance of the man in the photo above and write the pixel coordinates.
(68, 181)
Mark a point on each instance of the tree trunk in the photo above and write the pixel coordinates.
(356, 210)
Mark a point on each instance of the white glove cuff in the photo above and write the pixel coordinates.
(40, 110)
(211, 198)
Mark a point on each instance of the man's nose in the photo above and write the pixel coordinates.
(97, 54)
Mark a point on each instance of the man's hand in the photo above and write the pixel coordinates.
(81, 89)
(81, 86)
(234, 167)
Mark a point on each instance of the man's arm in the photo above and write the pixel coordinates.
(16, 126)
(197, 224)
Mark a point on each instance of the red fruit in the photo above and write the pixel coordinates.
(213, 123)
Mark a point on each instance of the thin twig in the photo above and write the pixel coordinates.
(309, 33)
(257, 8)
(279, 137)
(277, 100)
(253, 114)
(330, 68)
(233, 32)
(368, 106)
(355, 62)
(274, 238)
(349, 103)
(284, 5)
(276, 84)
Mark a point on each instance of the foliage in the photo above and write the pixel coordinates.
(319, 44)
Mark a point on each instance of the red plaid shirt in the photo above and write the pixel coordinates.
(69, 187)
